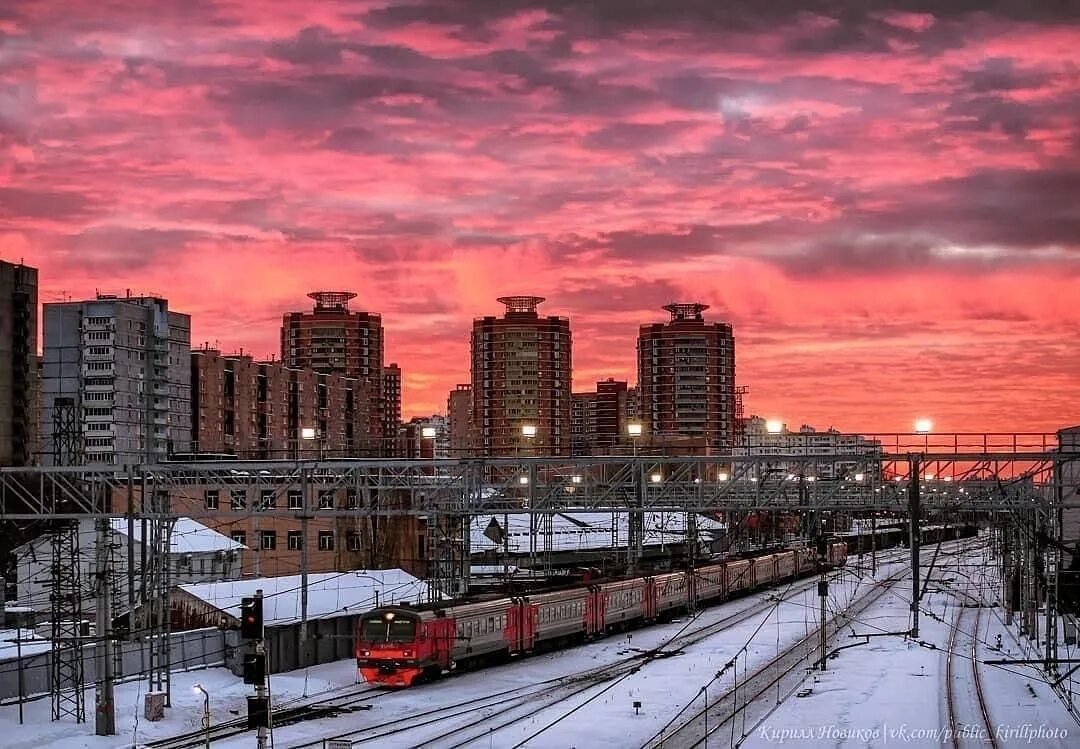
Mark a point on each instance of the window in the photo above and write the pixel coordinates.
(210, 499)
(326, 540)
(267, 499)
(296, 540)
(238, 499)
(296, 500)
(352, 497)
(269, 540)
(239, 537)
(352, 541)
(326, 499)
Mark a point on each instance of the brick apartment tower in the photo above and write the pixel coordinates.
(521, 370)
(332, 339)
(599, 419)
(459, 416)
(18, 364)
(686, 377)
(391, 399)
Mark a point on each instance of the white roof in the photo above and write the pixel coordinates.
(330, 594)
(188, 536)
(579, 531)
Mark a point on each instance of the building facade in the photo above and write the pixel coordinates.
(257, 515)
(116, 382)
(459, 417)
(391, 405)
(425, 438)
(521, 381)
(18, 365)
(812, 444)
(686, 378)
(333, 339)
(268, 411)
(196, 554)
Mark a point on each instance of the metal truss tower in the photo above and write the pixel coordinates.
(68, 682)
(66, 433)
(157, 592)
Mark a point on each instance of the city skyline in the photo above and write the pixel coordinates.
(881, 202)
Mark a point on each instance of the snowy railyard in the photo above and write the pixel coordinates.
(650, 687)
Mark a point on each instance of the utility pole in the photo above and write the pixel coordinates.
(873, 543)
(823, 594)
(304, 512)
(105, 712)
(914, 509)
(252, 629)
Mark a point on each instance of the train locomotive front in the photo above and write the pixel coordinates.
(392, 647)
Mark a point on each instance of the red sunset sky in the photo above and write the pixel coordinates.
(883, 198)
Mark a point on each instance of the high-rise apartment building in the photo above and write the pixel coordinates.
(598, 419)
(391, 402)
(686, 378)
(582, 422)
(459, 416)
(116, 382)
(521, 370)
(18, 364)
(332, 339)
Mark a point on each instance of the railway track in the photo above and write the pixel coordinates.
(780, 675)
(980, 730)
(770, 683)
(510, 702)
(516, 705)
(285, 715)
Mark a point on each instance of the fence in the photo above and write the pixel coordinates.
(330, 640)
(188, 651)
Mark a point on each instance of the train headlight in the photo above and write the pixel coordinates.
(365, 652)
(408, 654)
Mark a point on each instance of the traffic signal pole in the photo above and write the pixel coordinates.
(251, 628)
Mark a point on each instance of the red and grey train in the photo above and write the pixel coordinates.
(400, 645)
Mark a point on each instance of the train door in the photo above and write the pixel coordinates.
(515, 626)
(649, 593)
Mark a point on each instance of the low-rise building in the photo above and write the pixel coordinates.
(197, 554)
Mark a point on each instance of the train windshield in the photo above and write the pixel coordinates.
(381, 629)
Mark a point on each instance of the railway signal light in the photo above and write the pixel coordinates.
(255, 669)
(258, 712)
(251, 618)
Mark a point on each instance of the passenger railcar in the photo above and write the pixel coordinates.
(402, 646)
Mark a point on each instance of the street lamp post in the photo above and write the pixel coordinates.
(528, 433)
(634, 430)
(307, 434)
(206, 713)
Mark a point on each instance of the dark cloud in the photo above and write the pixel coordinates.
(856, 25)
(1000, 74)
(21, 203)
(314, 45)
(633, 136)
(989, 113)
(116, 248)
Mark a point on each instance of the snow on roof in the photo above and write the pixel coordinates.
(31, 643)
(188, 536)
(330, 594)
(586, 530)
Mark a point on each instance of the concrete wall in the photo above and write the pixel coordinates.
(189, 651)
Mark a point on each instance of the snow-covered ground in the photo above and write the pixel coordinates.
(889, 691)
(892, 691)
